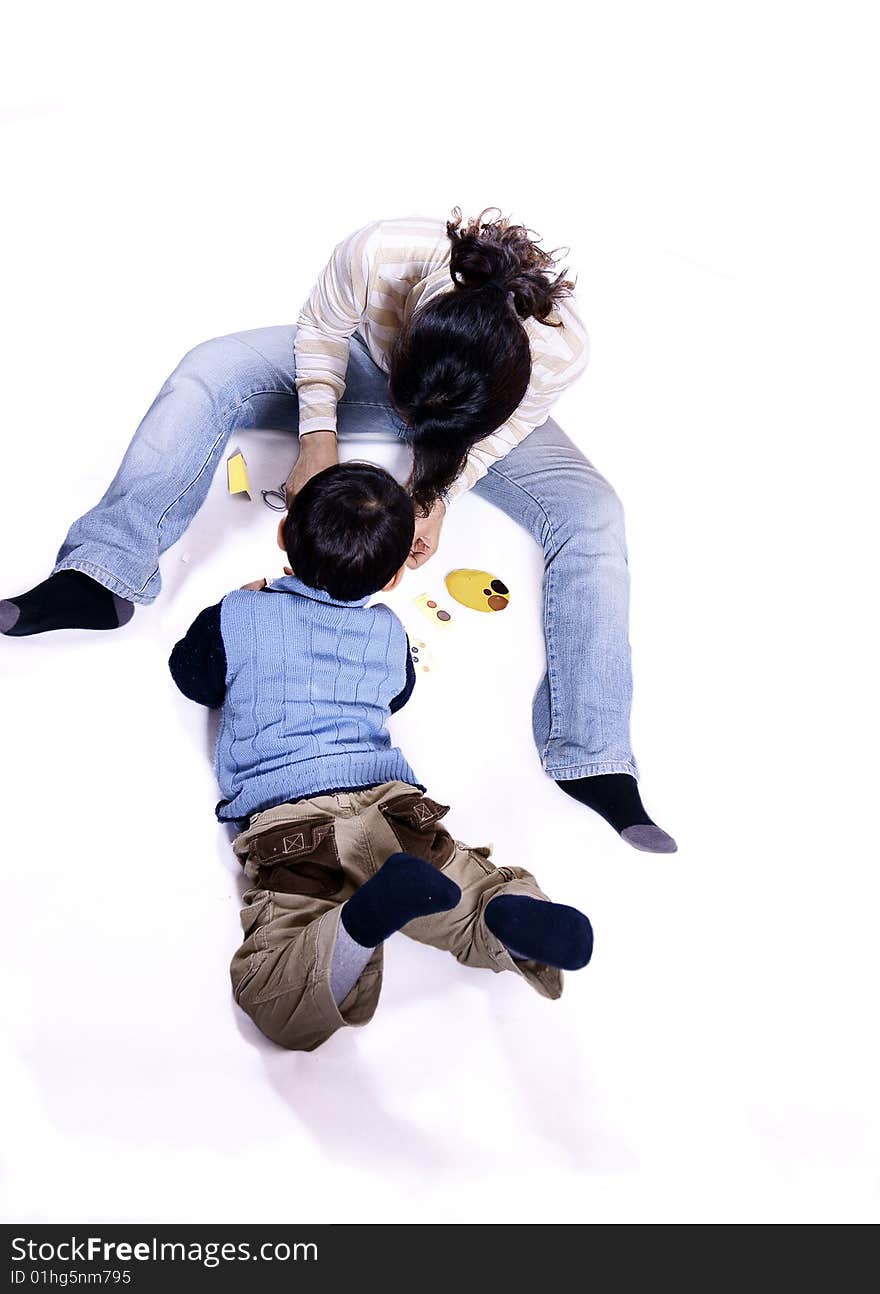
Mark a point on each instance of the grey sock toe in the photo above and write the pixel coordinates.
(9, 614)
(653, 840)
(124, 609)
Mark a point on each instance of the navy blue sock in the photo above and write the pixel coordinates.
(616, 798)
(66, 600)
(536, 930)
(405, 887)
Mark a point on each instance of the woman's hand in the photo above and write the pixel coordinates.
(317, 450)
(259, 585)
(427, 536)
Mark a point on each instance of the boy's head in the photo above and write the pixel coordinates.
(349, 531)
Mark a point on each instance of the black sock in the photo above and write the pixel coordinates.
(66, 600)
(536, 930)
(615, 797)
(405, 887)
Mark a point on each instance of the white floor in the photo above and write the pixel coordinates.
(718, 1060)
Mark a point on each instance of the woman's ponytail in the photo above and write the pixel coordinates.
(489, 253)
(461, 365)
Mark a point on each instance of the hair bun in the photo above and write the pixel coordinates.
(492, 254)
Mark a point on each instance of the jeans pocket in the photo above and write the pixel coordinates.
(298, 857)
(415, 821)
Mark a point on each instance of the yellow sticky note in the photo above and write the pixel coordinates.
(237, 475)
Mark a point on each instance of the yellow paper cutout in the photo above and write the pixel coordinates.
(422, 656)
(478, 590)
(434, 610)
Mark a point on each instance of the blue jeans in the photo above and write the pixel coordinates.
(581, 708)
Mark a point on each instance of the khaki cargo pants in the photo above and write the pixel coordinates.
(305, 859)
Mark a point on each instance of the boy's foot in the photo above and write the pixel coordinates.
(537, 930)
(405, 887)
(615, 797)
(66, 600)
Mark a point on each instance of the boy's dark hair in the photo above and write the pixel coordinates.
(349, 530)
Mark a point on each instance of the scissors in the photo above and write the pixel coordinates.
(275, 499)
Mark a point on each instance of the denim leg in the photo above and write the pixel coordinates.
(582, 705)
(365, 409)
(228, 384)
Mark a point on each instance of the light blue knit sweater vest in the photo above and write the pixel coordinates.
(309, 682)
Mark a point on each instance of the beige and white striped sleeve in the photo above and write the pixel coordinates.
(559, 356)
(335, 307)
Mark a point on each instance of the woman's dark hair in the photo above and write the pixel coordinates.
(349, 530)
(462, 364)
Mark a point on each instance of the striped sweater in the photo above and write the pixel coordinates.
(375, 280)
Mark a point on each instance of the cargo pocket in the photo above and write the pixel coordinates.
(257, 908)
(251, 966)
(480, 854)
(415, 821)
(297, 857)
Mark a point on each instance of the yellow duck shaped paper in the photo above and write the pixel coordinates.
(478, 590)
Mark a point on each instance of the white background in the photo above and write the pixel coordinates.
(177, 171)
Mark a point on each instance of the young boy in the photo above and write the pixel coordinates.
(341, 844)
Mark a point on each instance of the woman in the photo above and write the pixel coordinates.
(458, 339)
